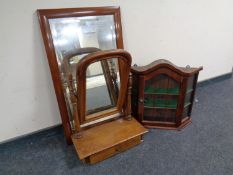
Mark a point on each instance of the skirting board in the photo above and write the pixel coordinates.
(53, 130)
(46, 132)
(215, 79)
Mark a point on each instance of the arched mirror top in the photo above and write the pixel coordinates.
(120, 54)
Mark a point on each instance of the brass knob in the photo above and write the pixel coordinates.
(141, 100)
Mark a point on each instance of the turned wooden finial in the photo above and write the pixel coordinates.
(74, 102)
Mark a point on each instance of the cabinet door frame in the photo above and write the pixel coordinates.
(171, 74)
(141, 97)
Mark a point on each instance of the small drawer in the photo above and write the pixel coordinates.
(113, 150)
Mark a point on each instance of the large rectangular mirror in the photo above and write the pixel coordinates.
(69, 35)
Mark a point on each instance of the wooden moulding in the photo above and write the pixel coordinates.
(103, 141)
(162, 63)
(167, 125)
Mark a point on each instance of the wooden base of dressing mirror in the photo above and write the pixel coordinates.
(106, 140)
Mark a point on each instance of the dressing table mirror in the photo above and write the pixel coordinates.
(105, 99)
(69, 35)
(106, 127)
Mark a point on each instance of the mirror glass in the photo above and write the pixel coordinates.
(69, 34)
(102, 86)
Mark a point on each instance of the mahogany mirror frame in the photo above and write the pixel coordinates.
(44, 15)
(124, 60)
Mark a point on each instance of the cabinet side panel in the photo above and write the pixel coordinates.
(193, 93)
(134, 96)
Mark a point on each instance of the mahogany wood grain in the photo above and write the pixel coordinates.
(127, 107)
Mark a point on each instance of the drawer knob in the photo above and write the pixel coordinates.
(141, 100)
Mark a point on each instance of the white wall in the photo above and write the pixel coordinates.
(190, 32)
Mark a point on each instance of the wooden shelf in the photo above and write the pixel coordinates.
(156, 107)
(165, 106)
(161, 91)
(159, 103)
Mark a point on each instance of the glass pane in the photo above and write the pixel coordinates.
(102, 85)
(162, 84)
(188, 97)
(160, 99)
(72, 33)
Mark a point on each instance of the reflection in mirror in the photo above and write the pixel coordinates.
(74, 33)
(102, 85)
(70, 34)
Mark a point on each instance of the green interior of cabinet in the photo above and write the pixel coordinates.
(170, 91)
(153, 90)
(161, 95)
(160, 103)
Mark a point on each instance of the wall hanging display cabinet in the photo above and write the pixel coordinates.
(92, 85)
(163, 94)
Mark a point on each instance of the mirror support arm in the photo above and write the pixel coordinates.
(74, 101)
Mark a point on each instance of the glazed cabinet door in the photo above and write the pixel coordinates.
(159, 97)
